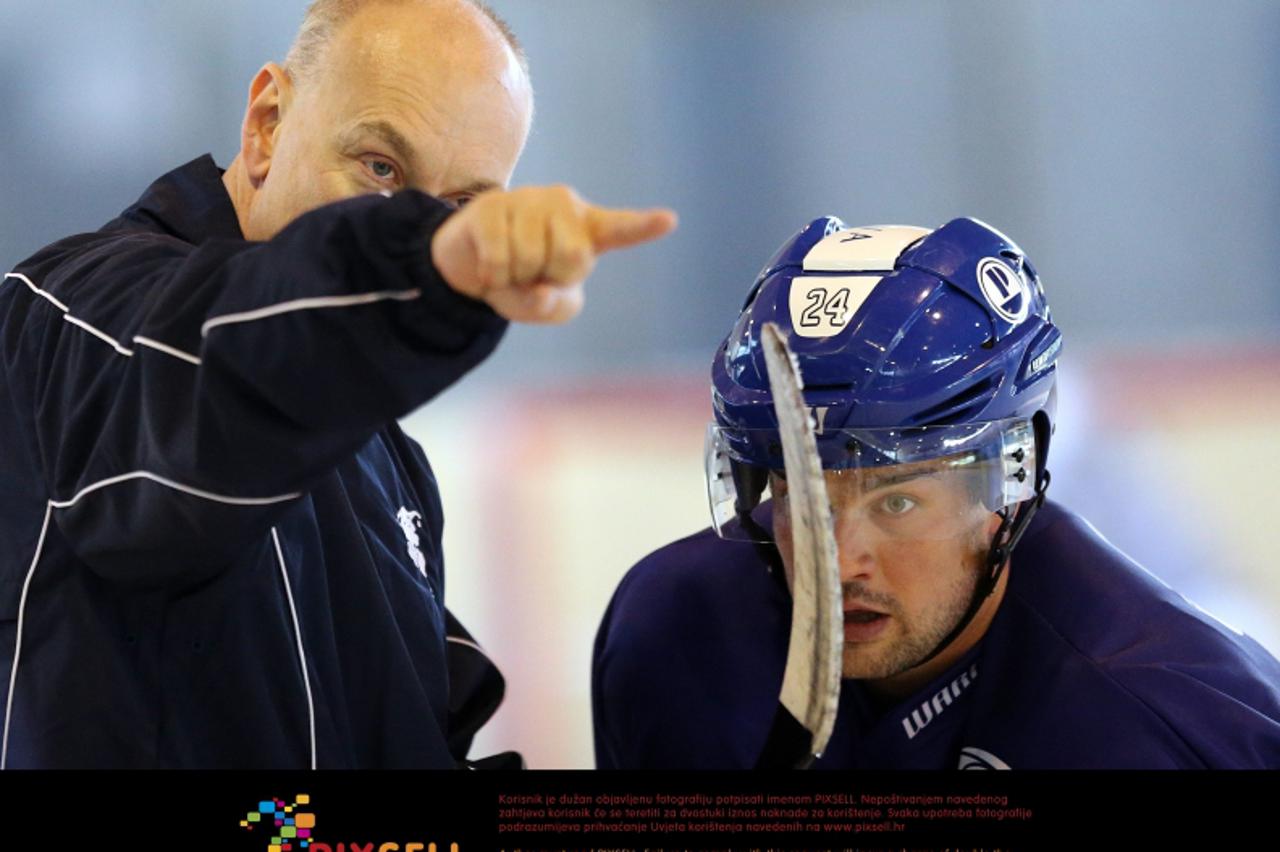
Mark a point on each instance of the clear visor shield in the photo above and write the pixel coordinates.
(926, 483)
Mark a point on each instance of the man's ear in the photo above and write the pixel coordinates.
(269, 97)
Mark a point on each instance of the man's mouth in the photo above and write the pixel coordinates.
(864, 625)
(862, 616)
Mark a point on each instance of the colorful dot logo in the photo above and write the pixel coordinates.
(290, 825)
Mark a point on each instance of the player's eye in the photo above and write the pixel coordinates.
(897, 504)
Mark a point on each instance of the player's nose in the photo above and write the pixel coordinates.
(855, 544)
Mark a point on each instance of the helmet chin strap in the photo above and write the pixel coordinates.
(766, 548)
(1012, 526)
(750, 484)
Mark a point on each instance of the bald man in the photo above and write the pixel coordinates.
(217, 548)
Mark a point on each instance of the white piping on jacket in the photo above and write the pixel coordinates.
(34, 289)
(17, 645)
(308, 304)
(63, 504)
(177, 486)
(106, 338)
(213, 322)
(166, 349)
(98, 333)
(302, 654)
(458, 640)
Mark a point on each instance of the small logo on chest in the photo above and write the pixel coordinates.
(933, 707)
(972, 757)
(410, 523)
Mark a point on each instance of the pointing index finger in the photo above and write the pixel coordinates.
(616, 228)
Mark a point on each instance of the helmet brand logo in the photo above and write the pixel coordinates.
(1046, 357)
(1004, 290)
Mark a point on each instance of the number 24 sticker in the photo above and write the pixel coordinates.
(821, 306)
(834, 305)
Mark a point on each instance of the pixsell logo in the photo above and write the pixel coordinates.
(288, 826)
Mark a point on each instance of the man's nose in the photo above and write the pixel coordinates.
(855, 544)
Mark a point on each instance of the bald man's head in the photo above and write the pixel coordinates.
(324, 18)
(381, 95)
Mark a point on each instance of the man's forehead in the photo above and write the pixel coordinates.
(878, 476)
(415, 89)
(416, 52)
(871, 478)
(430, 35)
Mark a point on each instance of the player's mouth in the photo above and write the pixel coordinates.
(864, 625)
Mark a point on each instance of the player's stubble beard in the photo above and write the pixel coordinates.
(917, 634)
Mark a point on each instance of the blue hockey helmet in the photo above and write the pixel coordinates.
(913, 345)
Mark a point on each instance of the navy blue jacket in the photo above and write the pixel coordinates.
(217, 548)
(1090, 662)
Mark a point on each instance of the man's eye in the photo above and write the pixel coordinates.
(381, 169)
(898, 504)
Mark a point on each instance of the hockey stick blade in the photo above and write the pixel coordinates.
(811, 682)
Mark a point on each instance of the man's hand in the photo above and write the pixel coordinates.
(526, 252)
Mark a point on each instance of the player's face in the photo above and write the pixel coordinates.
(407, 96)
(911, 547)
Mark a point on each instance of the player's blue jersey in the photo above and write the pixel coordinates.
(1090, 662)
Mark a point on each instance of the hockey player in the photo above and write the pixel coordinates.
(983, 626)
